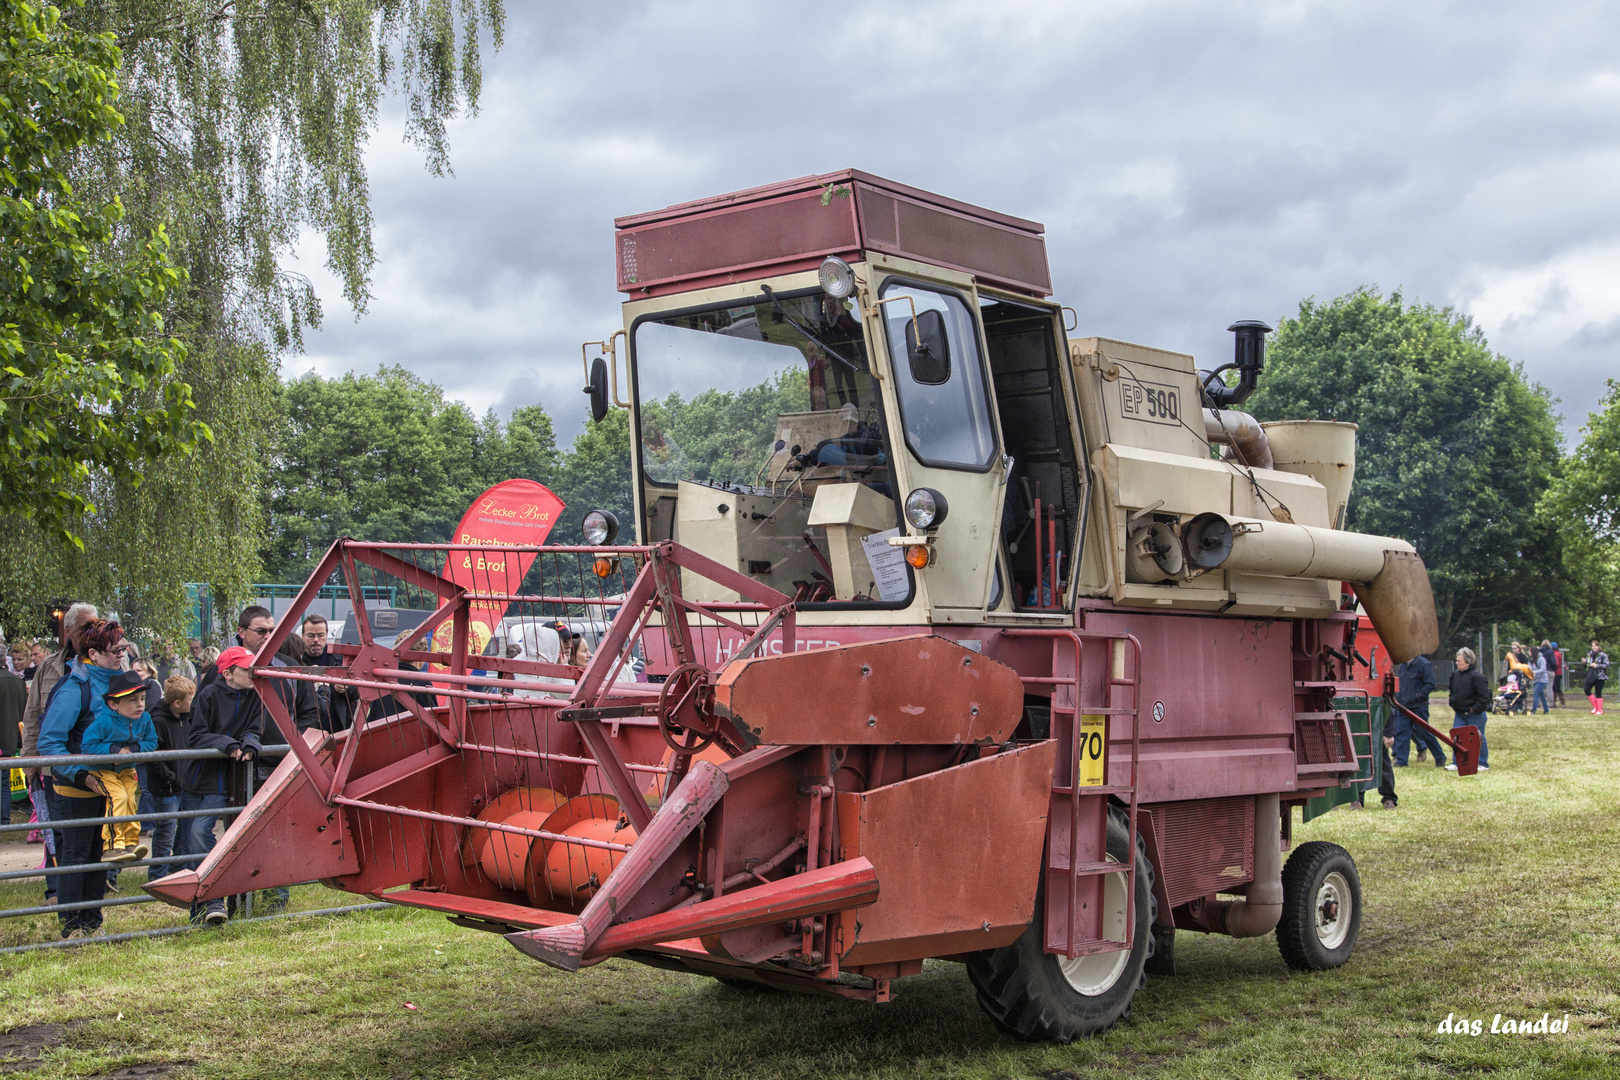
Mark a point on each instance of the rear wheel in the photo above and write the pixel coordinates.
(1035, 995)
(1321, 916)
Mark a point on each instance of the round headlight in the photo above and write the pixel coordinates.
(837, 279)
(926, 508)
(601, 527)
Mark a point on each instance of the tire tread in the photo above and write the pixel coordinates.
(1006, 987)
(1296, 930)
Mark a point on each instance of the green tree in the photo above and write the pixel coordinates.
(594, 474)
(245, 129)
(385, 457)
(1584, 504)
(89, 371)
(719, 435)
(1454, 453)
(93, 390)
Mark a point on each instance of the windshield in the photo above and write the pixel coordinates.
(765, 420)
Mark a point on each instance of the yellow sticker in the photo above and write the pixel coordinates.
(1093, 738)
(17, 781)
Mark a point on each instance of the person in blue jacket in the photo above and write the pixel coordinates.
(74, 705)
(125, 728)
(1416, 684)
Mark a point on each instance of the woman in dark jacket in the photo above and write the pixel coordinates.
(1470, 697)
(1597, 673)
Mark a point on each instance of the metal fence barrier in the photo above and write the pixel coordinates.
(129, 761)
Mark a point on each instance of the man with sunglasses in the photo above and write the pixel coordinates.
(253, 628)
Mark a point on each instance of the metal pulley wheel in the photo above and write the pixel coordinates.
(685, 718)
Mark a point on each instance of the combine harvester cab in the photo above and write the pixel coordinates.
(960, 642)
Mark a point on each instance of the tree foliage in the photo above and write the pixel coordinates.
(1585, 504)
(594, 474)
(385, 457)
(87, 371)
(245, 126)
(248, 122)
(1454, 453)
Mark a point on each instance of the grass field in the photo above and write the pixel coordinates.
(1486, 895)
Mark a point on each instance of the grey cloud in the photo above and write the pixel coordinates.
(1598, 336)
(1194, 162)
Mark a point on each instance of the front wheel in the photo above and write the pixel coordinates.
(1036, 995)
(1321, 916)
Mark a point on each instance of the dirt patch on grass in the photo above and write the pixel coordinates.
(142, 1072)
(20, 1048)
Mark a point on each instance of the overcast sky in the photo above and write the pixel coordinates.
(1193, 163)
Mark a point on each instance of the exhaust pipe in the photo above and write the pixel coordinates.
(1259, 912)
(1248, 357)
(1242, 433)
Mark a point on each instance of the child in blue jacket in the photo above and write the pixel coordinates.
(125, 728)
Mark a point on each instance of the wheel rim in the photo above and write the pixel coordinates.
(1333, 911)
(1096, 973)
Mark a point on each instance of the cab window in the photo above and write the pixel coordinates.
(939, 377)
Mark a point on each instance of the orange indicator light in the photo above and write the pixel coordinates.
(602, 567)
(917, 555)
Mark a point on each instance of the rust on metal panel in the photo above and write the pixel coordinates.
(845, 885)
(516, 916)
(822, 182)
(789, 227)
(958, 852)
(912, 228)
(905, 690)
(1207, 846)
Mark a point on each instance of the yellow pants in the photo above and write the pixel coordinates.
(123, 799)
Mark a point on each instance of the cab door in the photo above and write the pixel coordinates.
(944, 430)
(1048, 490)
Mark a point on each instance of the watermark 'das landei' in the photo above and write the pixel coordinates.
(1452, 1025)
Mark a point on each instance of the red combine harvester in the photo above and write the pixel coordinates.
(945, 635)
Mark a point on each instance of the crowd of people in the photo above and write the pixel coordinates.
(92, 693)
(1533, 678)
(1532, 675)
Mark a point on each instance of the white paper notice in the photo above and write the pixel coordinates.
(888, 565)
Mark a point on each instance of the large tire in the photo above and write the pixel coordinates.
(1035, 995)
(1321, 916)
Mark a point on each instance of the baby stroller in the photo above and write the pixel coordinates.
(1510, 696)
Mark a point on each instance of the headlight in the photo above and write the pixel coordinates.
(601, 527)
(837, 278)
(926, 508)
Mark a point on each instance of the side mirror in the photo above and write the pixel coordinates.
(928, 349)
(597, 388)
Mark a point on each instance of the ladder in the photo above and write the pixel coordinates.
(1088, 729)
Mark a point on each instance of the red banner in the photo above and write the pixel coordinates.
(512, 513)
